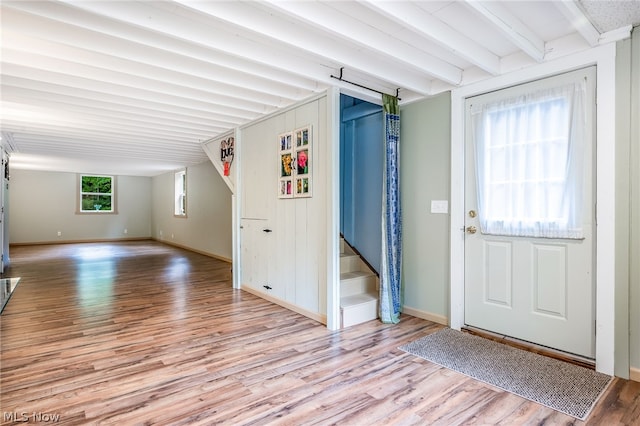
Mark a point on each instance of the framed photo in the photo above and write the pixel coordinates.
(286, 164)
(302, 186)
(295, 163)
(302, 137)
(285, 188)
(286, 142)
(302, 162)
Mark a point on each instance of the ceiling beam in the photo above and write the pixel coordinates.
(97, 132)
(191, 50)
(579, 21)
(18, 98)
(512, 27)
(35, 67)
(30, 92)
(418, 20)
(214, 41)
(77, 147)
(14, 114)
(60, 71)
(265, 24)
(56, 140)
(355, 30)
(111, 93)
(112, 166)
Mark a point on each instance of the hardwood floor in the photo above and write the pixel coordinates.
(143, 333)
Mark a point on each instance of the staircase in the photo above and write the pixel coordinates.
(358, 288)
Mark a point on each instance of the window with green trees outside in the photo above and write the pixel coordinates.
(96, 193)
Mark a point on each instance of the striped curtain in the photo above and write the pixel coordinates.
(390, 266)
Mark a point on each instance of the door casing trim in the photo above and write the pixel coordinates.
(604, 59)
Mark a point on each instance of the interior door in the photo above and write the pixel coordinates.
(256, 245)
(536, 289)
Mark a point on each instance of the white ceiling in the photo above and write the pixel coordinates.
(134, 87)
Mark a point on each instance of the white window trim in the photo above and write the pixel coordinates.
(114, 204)
(180, 196)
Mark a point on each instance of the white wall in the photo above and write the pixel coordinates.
(291, 259)
(425, 145)
(207, 227)
(43, 203)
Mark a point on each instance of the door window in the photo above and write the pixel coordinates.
(529, 154)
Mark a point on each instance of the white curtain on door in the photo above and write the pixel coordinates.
(530, 154)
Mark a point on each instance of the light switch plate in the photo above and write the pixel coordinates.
(439, 206)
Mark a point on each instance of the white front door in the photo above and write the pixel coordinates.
(529, 274)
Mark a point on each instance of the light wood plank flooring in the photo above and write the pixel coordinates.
(144, 333)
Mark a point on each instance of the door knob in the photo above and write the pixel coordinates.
(471, 229)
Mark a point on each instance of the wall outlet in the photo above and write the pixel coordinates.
(59, 233)
(125, 230)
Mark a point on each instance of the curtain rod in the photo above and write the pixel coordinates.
(360, 85)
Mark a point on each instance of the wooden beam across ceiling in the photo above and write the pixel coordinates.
(411, 16)
(356, 30)
(307, 42)
(512, 27)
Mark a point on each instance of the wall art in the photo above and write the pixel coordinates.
(295, 165)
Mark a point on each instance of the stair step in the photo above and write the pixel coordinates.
(357, 299)
(345, 248)
(352, 283)
(358, 288)
(350, 263)
(358, 308)
(344, 276)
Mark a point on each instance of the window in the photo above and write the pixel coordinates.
(97, 194)
(180, 193)
(530, 149)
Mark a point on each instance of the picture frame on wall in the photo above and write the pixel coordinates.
(286, 164)
(295, 165)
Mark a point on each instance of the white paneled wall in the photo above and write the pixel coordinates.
(283, 240)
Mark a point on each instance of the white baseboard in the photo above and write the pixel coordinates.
(202, 252)
(97, 240)
(440, 319)
(634, 374)
(313, 315)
